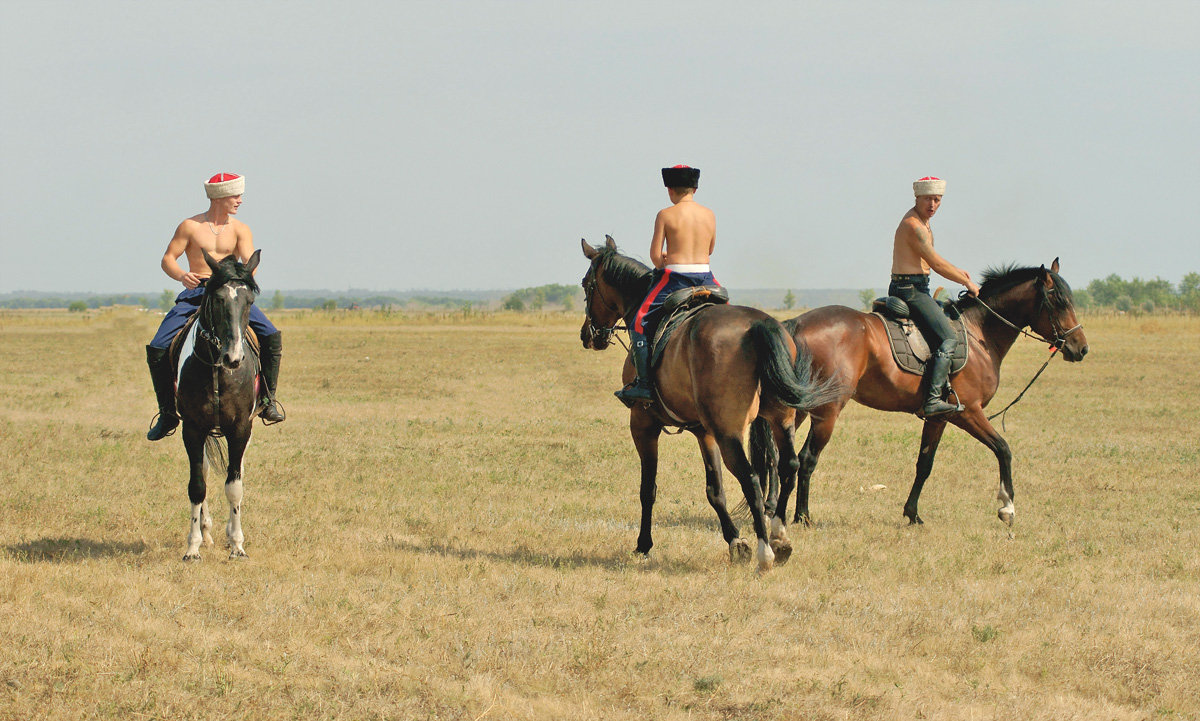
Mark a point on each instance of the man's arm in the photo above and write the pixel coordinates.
(170, 259)
(657, 258)
(919, 239)
(245, 244)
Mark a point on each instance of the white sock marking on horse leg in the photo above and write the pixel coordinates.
(766, 557)
(778, 530)
(206, 523)
(195, 535)
(233, 529)
(1007, 511)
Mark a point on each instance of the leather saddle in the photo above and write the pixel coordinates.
(677, 308)
(909, 347)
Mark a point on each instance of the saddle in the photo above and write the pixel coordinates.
(909, 347)
(677, 308)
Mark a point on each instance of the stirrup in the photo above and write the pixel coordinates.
(154, 424)
(268, 404)
(636, 392)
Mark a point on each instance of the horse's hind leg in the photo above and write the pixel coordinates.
(819, 433)
(233, 493)
(193, 441)
(739, 550)
(734, 455)
(645, 431)
(206, 524)
(785, 440)
(931, 435)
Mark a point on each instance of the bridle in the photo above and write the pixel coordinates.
(1060, 335)
(596, 331)
(1060, 339)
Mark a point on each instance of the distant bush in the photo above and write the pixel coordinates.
(77, 306)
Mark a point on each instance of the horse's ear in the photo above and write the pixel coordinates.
(1046, 279)
(609, 242)
(209, 259)
(253, 262)
(1054, 266)
(588, 251)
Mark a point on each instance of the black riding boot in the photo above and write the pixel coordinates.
(938, 373)
(641, 390)
(272, 351)
(163, 375)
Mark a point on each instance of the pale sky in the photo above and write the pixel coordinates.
(470, 145)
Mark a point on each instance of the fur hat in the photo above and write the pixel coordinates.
(681, 176)
(929, 185)
(224, 185)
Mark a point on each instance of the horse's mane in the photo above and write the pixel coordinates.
(621, 270)
(230, 269)
(999, 279)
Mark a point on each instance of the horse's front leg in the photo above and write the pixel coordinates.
(193, 441)
(233, 491)
(645, 430)
(931, 436)
(973, 421)
(820, 430)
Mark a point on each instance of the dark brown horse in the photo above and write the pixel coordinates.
(722, 368)
(216, 395)
(852, 348)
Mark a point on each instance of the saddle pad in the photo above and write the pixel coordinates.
(910, 349)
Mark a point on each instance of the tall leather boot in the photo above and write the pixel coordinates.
(641, 390)
(163, 375)
(272, 351)
(938, 374)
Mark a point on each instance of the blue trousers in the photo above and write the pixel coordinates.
(186, 304)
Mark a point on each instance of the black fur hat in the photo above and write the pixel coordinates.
(681, 176)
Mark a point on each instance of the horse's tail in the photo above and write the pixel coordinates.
(216, 450)
(794, 384)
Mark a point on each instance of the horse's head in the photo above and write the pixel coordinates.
(1055, 319)
(225, 311)
(603, 304)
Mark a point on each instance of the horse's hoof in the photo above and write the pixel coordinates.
(804, 520)
(782, 548)
(740, 551)
(1006, 515)
(237, 553)
(915, 520)
(191, 556)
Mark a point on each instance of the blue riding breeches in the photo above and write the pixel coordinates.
(928, 315)
(186, 304)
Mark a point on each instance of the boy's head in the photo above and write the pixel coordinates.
(681, 178)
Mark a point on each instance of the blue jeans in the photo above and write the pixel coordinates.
(186, 304)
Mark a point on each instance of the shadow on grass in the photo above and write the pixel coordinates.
(524, 556)
(66, 550)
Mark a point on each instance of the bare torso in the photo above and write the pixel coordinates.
(684, 233)
(200, 233)
(906, 249)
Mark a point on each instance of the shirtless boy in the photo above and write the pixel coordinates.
(684, 237)
(218, 232)
(912, 258)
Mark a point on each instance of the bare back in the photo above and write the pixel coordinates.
(684, 233)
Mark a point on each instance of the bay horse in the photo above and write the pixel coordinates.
(216, 394)
(852, 348)
(723, 367)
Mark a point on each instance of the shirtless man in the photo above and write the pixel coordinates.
(684, 237)
(912, 258)
(222, 235)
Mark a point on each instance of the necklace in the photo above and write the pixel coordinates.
(212, 227)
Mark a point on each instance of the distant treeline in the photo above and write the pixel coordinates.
(560, 296)
(1142, 296)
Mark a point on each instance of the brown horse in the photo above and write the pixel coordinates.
(722, 368)
(852, 348)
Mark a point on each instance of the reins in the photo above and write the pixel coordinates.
(1060, 338)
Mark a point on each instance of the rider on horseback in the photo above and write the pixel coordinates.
(684, 237)
(219, 233)
(912, 258)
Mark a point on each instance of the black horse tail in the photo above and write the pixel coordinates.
(792, 383)
(216, 450)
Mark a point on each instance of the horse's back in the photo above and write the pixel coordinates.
(844, 343)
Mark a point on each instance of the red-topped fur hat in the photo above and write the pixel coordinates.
(929, 185)
(224, 185)
(681, 176)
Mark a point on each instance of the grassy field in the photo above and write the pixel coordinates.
(444, 528)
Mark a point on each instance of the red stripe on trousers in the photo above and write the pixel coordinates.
(641, 314)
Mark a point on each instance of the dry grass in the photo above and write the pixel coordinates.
(443, 529)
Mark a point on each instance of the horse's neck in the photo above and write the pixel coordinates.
(998, 336)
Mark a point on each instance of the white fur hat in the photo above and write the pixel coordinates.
(224, 185)
(929, 185)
